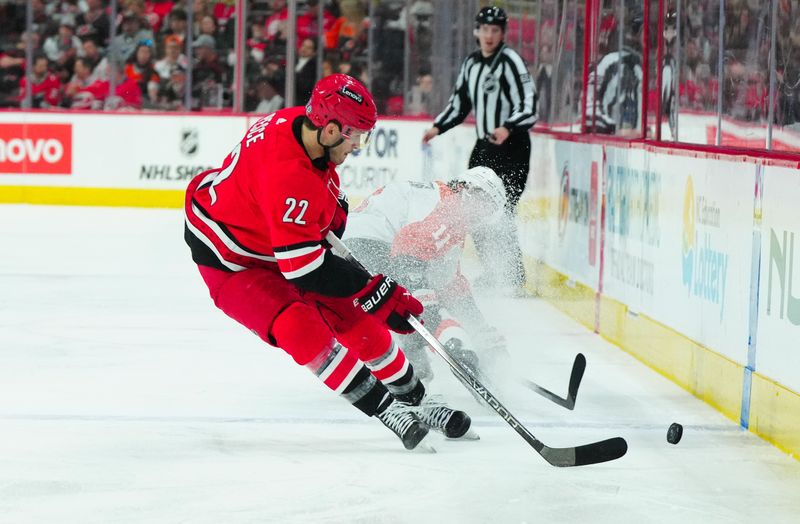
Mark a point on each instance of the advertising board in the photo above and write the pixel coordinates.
(40, 148)
(778, 355)
(678, 240)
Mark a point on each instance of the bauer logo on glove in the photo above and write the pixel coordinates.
(389, 302)
(378, 295)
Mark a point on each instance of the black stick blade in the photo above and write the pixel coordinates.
(594, 453)
(575, 377)
(578, 367)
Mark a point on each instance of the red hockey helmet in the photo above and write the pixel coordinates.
(343, 99)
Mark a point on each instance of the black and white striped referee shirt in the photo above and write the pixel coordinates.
(614, 92)
(499, 89)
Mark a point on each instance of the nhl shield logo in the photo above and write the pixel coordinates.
(190, 141)
(490, 83)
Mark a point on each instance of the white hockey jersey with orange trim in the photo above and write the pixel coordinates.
(420, 220)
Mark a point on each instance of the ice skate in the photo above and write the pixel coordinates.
(405, 423)
(452, 423)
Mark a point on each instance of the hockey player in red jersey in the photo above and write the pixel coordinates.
(256, 229)
(417, 230)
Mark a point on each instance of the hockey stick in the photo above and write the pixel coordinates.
(596, 452)
(578, 367)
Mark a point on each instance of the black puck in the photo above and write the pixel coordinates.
(674, 433)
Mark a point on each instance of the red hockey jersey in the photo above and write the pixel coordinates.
(267, 203)
(46, 90)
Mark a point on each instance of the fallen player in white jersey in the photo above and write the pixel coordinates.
(416, 232)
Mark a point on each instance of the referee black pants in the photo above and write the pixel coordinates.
(499, 243)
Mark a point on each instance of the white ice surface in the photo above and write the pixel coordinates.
(125, 396)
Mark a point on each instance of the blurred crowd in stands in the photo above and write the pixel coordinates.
(140, 60)
(84, 59)
(744, 69)
(80, 54)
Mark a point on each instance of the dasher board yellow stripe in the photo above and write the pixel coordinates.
(92, 196)
(711, 377)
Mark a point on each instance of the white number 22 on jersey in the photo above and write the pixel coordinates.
(293, 204)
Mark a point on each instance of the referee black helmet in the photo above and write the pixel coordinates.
(491, 15)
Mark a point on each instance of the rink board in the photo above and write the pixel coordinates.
(686, 242)
(117, 159)
(660, 251)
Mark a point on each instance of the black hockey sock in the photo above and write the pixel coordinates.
(415, 394)
(367, 393)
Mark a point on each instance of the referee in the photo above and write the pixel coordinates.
(495, 83)
(614, 87)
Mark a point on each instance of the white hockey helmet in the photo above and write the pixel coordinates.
(485, 179)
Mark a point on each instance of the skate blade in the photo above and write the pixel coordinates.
(471, 434)
(424, 448)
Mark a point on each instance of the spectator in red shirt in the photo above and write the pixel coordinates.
(276, 22)
(81, 91)
(223, 11)
(126, 96)
(156, 11)
(45, 86)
